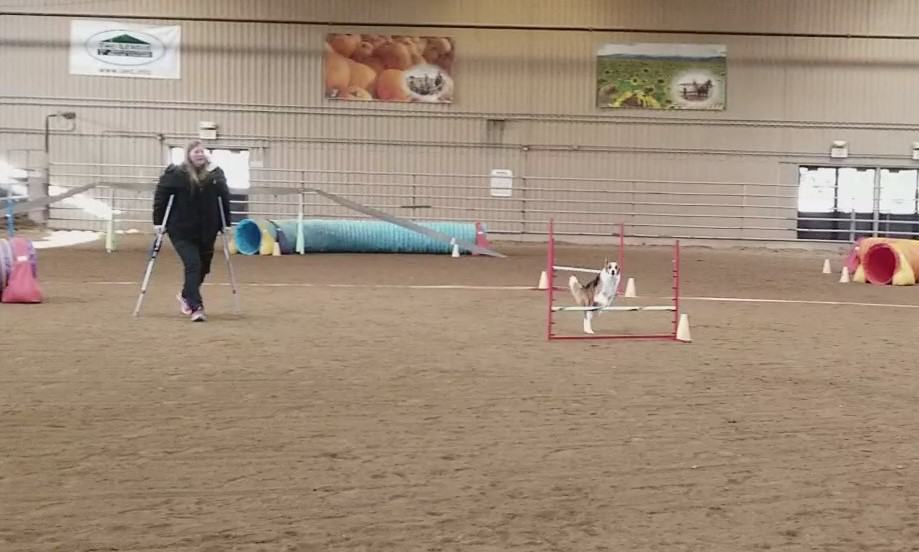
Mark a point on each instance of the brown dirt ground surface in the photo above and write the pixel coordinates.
(339, 413)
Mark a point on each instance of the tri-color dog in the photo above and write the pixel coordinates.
(599, 292)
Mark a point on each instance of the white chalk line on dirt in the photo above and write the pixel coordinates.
(365, 286)
(529, 288)
(798, 301)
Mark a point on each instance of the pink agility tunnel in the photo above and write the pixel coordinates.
(884, 261)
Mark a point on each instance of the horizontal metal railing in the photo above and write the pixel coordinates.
(580, 206)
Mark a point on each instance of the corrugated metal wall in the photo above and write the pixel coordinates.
(524, 101)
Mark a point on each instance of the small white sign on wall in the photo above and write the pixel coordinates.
(116, 49)
(502, 183)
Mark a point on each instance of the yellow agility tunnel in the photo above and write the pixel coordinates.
(884, 261)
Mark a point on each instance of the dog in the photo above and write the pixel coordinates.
(599, 292)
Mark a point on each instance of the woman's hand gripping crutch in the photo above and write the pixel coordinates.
(154, 251)
(226, 253)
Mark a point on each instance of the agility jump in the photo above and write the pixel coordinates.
(680, 323)
(544, 278)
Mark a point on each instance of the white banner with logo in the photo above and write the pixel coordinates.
(114, 49)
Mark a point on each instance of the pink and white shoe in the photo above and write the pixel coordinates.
(198, 315)
(183, 305)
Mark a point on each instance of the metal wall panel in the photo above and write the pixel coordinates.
(525, 102)
(896, 17)
(827, 16)
(498, 72)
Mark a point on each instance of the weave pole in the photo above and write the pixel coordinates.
(551, 309)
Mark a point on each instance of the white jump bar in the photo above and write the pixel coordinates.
(623, 308)
(576, 269)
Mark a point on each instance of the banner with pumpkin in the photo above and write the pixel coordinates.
(392, 68)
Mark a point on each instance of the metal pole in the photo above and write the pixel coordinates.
(550, 272)
(110, 224)
(676, 288)
(48, 133)
(226, 254)
(10, 224)
(852, 225)
(41, 186)
(877, 202)
(301, 239)
(414, 197)
(151, 261)
(523, 205)
(621, 255)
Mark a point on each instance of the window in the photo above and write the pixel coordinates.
(817, 190)
(234, 162)
(845, 203)
(898, 192)
(855, 190)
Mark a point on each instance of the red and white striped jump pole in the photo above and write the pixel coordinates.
(550, 271)
(676, 288)
(621, 254)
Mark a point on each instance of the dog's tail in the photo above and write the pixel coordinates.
(575, 285)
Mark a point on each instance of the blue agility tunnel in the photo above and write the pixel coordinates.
(248, 237)
(352, 236)
(369, 236)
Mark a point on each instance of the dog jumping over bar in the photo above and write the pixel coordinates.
(599, 292)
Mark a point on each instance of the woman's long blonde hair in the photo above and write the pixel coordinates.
(195, 174)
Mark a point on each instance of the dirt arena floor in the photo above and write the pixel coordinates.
(344, 410)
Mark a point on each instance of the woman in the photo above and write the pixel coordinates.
(194, 219)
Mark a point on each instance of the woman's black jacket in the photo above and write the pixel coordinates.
(195, 213)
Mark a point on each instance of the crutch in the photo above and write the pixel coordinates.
(154, 251)
(226, 254)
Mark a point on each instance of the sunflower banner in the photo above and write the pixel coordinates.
(662, 76)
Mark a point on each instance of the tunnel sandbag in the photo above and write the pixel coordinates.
(853, 259)
(286, 243)
(370, 236)
(887, 261)
(9, 251)
(266, 247)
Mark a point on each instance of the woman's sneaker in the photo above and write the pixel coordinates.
(183, 305)
(198, 315)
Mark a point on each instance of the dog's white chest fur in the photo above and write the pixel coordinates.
(599, 292)
(606, 291)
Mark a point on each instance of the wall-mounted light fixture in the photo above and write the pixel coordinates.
(916, 151)
(839, 149)
(207, 130)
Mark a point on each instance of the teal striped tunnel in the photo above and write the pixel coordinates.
(352, 236)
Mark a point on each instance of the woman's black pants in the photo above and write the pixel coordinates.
(196, 258)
